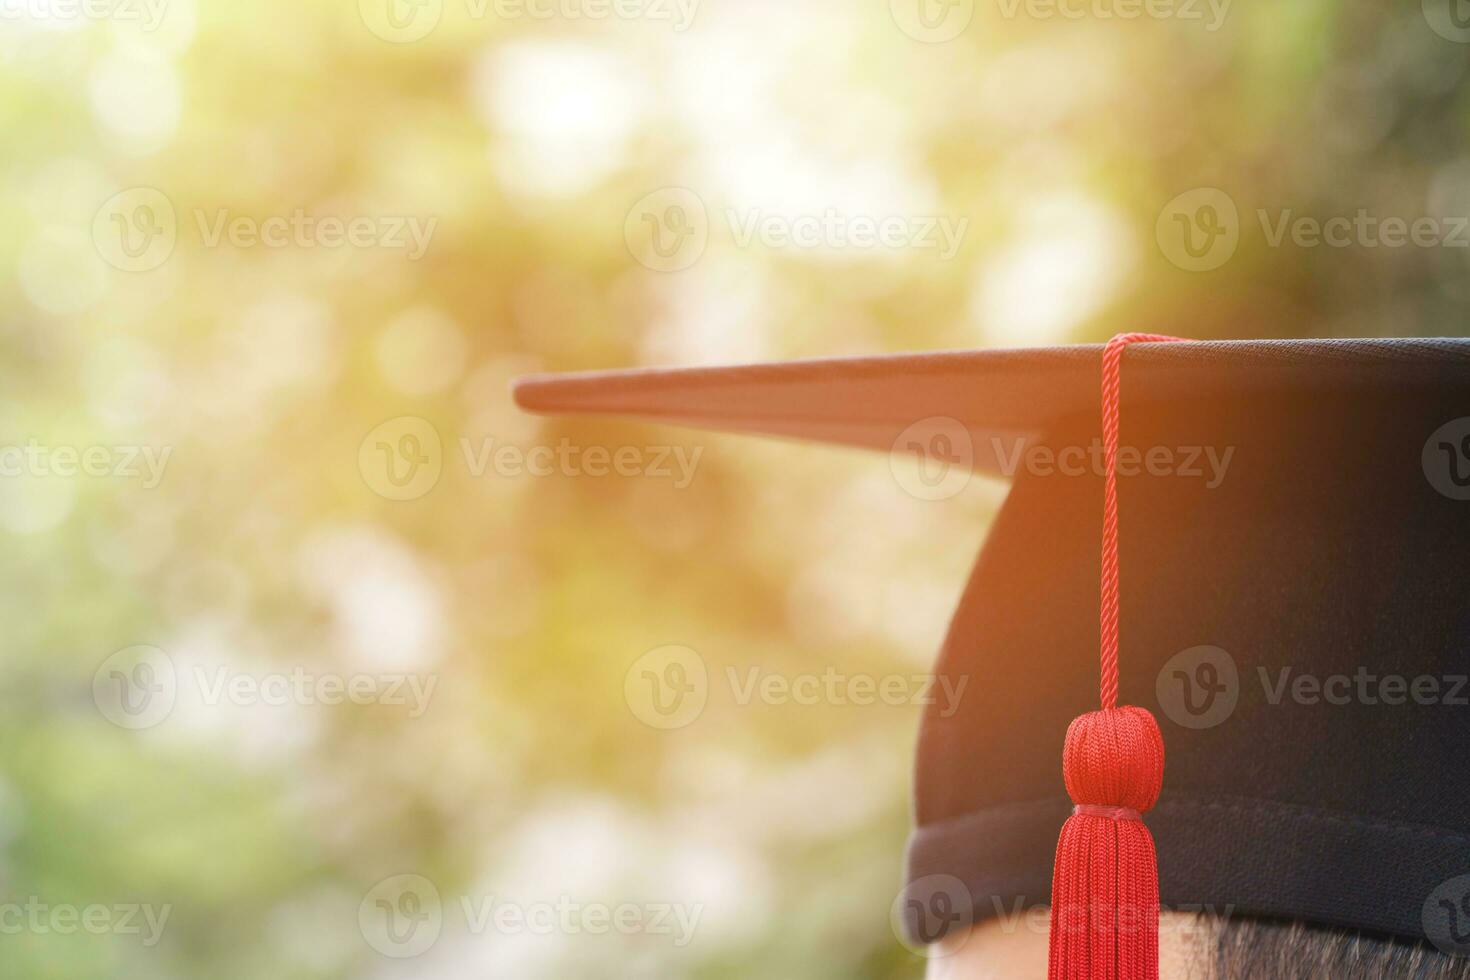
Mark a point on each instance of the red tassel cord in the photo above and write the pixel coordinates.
(1105, 884)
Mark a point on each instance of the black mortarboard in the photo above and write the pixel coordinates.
(1295, 522)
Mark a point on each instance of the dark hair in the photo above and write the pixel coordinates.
(1259, 949)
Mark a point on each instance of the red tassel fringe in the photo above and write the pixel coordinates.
(1105, 885)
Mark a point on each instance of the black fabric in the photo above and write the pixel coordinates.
(873, 401)
(1325, 550)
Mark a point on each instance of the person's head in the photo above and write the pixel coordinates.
(1211, 948)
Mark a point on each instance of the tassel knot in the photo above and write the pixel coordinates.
(1114, 758)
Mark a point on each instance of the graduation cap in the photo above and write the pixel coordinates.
(1291, 523)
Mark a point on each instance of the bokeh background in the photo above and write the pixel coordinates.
(323, 417)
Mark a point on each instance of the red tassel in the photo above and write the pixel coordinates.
(1105, 886)
(1105, 883)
